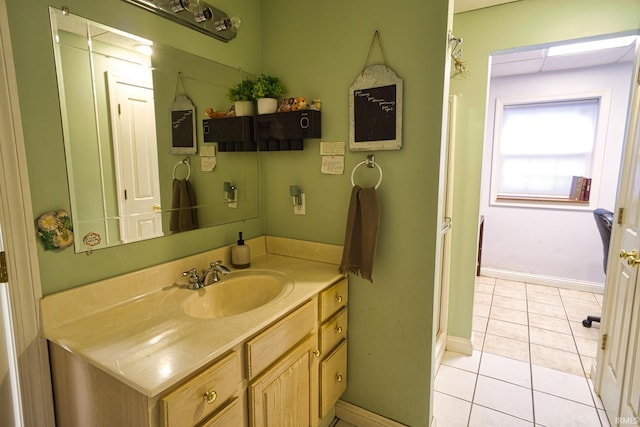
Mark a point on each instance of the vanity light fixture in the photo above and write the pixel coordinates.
(195, 14)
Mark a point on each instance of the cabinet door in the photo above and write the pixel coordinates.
(286, 394)
(333, 378)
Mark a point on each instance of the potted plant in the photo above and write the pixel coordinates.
(242, 96)
(266, 90)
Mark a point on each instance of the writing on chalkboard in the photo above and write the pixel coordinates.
(375, 113)
(182, 131)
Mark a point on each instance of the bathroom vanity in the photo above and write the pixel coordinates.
(167, 356)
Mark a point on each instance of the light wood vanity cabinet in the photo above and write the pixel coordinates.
(333, 345)
(289, 374)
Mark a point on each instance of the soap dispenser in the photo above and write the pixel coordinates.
(240, 254)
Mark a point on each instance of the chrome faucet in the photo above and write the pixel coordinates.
(209, 276)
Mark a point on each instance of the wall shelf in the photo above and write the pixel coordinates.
(265, 132)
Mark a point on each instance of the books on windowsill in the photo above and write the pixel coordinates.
(580, 188)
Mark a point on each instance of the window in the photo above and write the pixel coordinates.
(539, 147)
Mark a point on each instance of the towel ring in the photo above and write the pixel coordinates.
(185, 162)
(370, 162)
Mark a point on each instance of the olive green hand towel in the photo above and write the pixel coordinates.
(361, 236)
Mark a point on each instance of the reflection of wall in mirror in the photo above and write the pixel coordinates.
(87, 127)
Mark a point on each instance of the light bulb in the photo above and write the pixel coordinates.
(227, 23)
(192, 6)
(203, 15)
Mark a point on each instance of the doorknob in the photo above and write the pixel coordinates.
(626, 255)
(633, 261)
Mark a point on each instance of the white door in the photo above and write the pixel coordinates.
(630, 404)
(619, 385)
(134, 143)
(10, 399)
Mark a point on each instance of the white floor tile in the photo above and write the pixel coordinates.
(486, 417)
(462, 361)
(504, 397)
(450, 411)
(455, 382)
(561, 384)
(506, 369)
(552, 411)
(603, 418)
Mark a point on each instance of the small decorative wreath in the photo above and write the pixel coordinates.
(55, 230)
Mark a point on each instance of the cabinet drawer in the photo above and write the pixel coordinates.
(333, 377)
(267, 347)
(187, 405)
(230, 415)
(333, 298)
(333, 331)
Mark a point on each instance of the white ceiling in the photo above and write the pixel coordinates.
(537, 61)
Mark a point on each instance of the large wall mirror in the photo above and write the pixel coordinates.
(116, 95)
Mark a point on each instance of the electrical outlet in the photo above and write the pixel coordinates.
(300, 210)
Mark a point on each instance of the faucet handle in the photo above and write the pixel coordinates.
(190, 273)
(194, 280)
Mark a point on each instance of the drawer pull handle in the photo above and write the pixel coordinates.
(316, 353)
(339, 378)
(338, 330)
(338, 298)
(210, 396)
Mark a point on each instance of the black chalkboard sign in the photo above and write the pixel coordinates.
(183, 126)
(374, 111)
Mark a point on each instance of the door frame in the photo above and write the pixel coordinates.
(16, 217)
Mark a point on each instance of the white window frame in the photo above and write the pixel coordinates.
(602, 123)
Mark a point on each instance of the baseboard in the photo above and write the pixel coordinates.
(460, 345)
(558, 282)
(360, 417)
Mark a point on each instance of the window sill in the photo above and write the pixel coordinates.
(542, 203)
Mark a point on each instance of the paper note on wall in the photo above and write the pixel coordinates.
(333, 165)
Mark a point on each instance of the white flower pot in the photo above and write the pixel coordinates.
(267, 105)
(243, 108)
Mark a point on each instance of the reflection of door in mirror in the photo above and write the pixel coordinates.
(134, 145)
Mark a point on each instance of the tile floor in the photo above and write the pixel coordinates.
(531, 362)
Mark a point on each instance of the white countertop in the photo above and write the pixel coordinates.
(149, 342)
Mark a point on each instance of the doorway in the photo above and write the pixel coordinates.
(556, 217)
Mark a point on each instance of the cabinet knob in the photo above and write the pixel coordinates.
(316, 353)
(338, 298)
(339, 378)
(210, 396)
(338, 330)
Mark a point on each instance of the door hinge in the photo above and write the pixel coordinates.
(620, 215)
(119, 110)
(4, 274)
(125, 194)
(603, 346)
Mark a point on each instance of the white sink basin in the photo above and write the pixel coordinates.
(237, 293)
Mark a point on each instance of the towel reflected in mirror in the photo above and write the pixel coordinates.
(184, 215)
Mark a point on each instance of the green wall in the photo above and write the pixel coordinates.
(318, 49)
(37, 88)
(522, 23)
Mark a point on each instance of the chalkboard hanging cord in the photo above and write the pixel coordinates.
(179, 82)
(376, 35)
